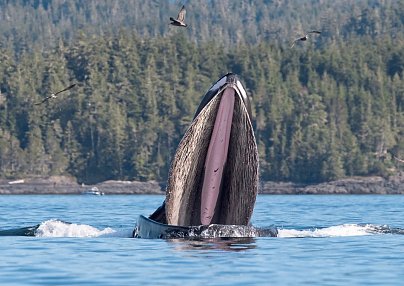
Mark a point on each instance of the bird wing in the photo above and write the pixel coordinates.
(67, 88)
(43, 100)
(294, 42)
(181, 14)
(398, 159)
(314, 32)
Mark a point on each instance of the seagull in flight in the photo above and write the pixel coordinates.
(398, 159)
(305, 37)
(54, 95)
(180, 18)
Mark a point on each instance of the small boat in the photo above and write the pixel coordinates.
(93, 191)
(148, 228)
(16, 182)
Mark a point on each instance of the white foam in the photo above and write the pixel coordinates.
(128, 233)
(332, 231)
(57, 228)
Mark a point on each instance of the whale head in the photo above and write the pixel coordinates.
(213, 177)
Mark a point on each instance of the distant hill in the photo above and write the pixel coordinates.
(43, 23)
(330, 108)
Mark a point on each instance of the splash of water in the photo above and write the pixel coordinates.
(57, 228)
(332, 231)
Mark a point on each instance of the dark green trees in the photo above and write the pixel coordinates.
(324, 110)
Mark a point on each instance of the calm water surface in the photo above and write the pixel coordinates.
(323, 240)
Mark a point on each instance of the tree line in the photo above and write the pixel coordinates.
(29, 24)
(329, 108)
(319, 114)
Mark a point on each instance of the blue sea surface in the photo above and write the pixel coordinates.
(323, 240)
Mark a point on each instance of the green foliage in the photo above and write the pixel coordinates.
(327, 109)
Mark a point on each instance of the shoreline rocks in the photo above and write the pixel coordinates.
(68, 185)
(354, 185)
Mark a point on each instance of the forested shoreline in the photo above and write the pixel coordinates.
(327, 110)
(65, 185)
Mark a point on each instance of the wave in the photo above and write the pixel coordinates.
(332, 231)
(340, 230)
(58, 228)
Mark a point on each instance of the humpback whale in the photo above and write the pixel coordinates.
(213, 179)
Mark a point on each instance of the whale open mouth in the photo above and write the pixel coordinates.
(214, 173)
(217, 156)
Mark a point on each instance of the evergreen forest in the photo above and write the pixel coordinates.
(328, 108)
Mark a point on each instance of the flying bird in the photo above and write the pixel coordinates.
(54, 95)
(398, 159)
(180, 18)
(305, 37)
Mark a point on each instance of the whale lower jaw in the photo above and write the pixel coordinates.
(194, 196)
(147, 228)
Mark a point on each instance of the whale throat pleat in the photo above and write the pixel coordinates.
(189, 169)
(217, 156)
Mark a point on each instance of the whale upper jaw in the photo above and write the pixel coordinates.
(214, 172)
(229, 80)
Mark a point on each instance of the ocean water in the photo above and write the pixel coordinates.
(323, 240)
